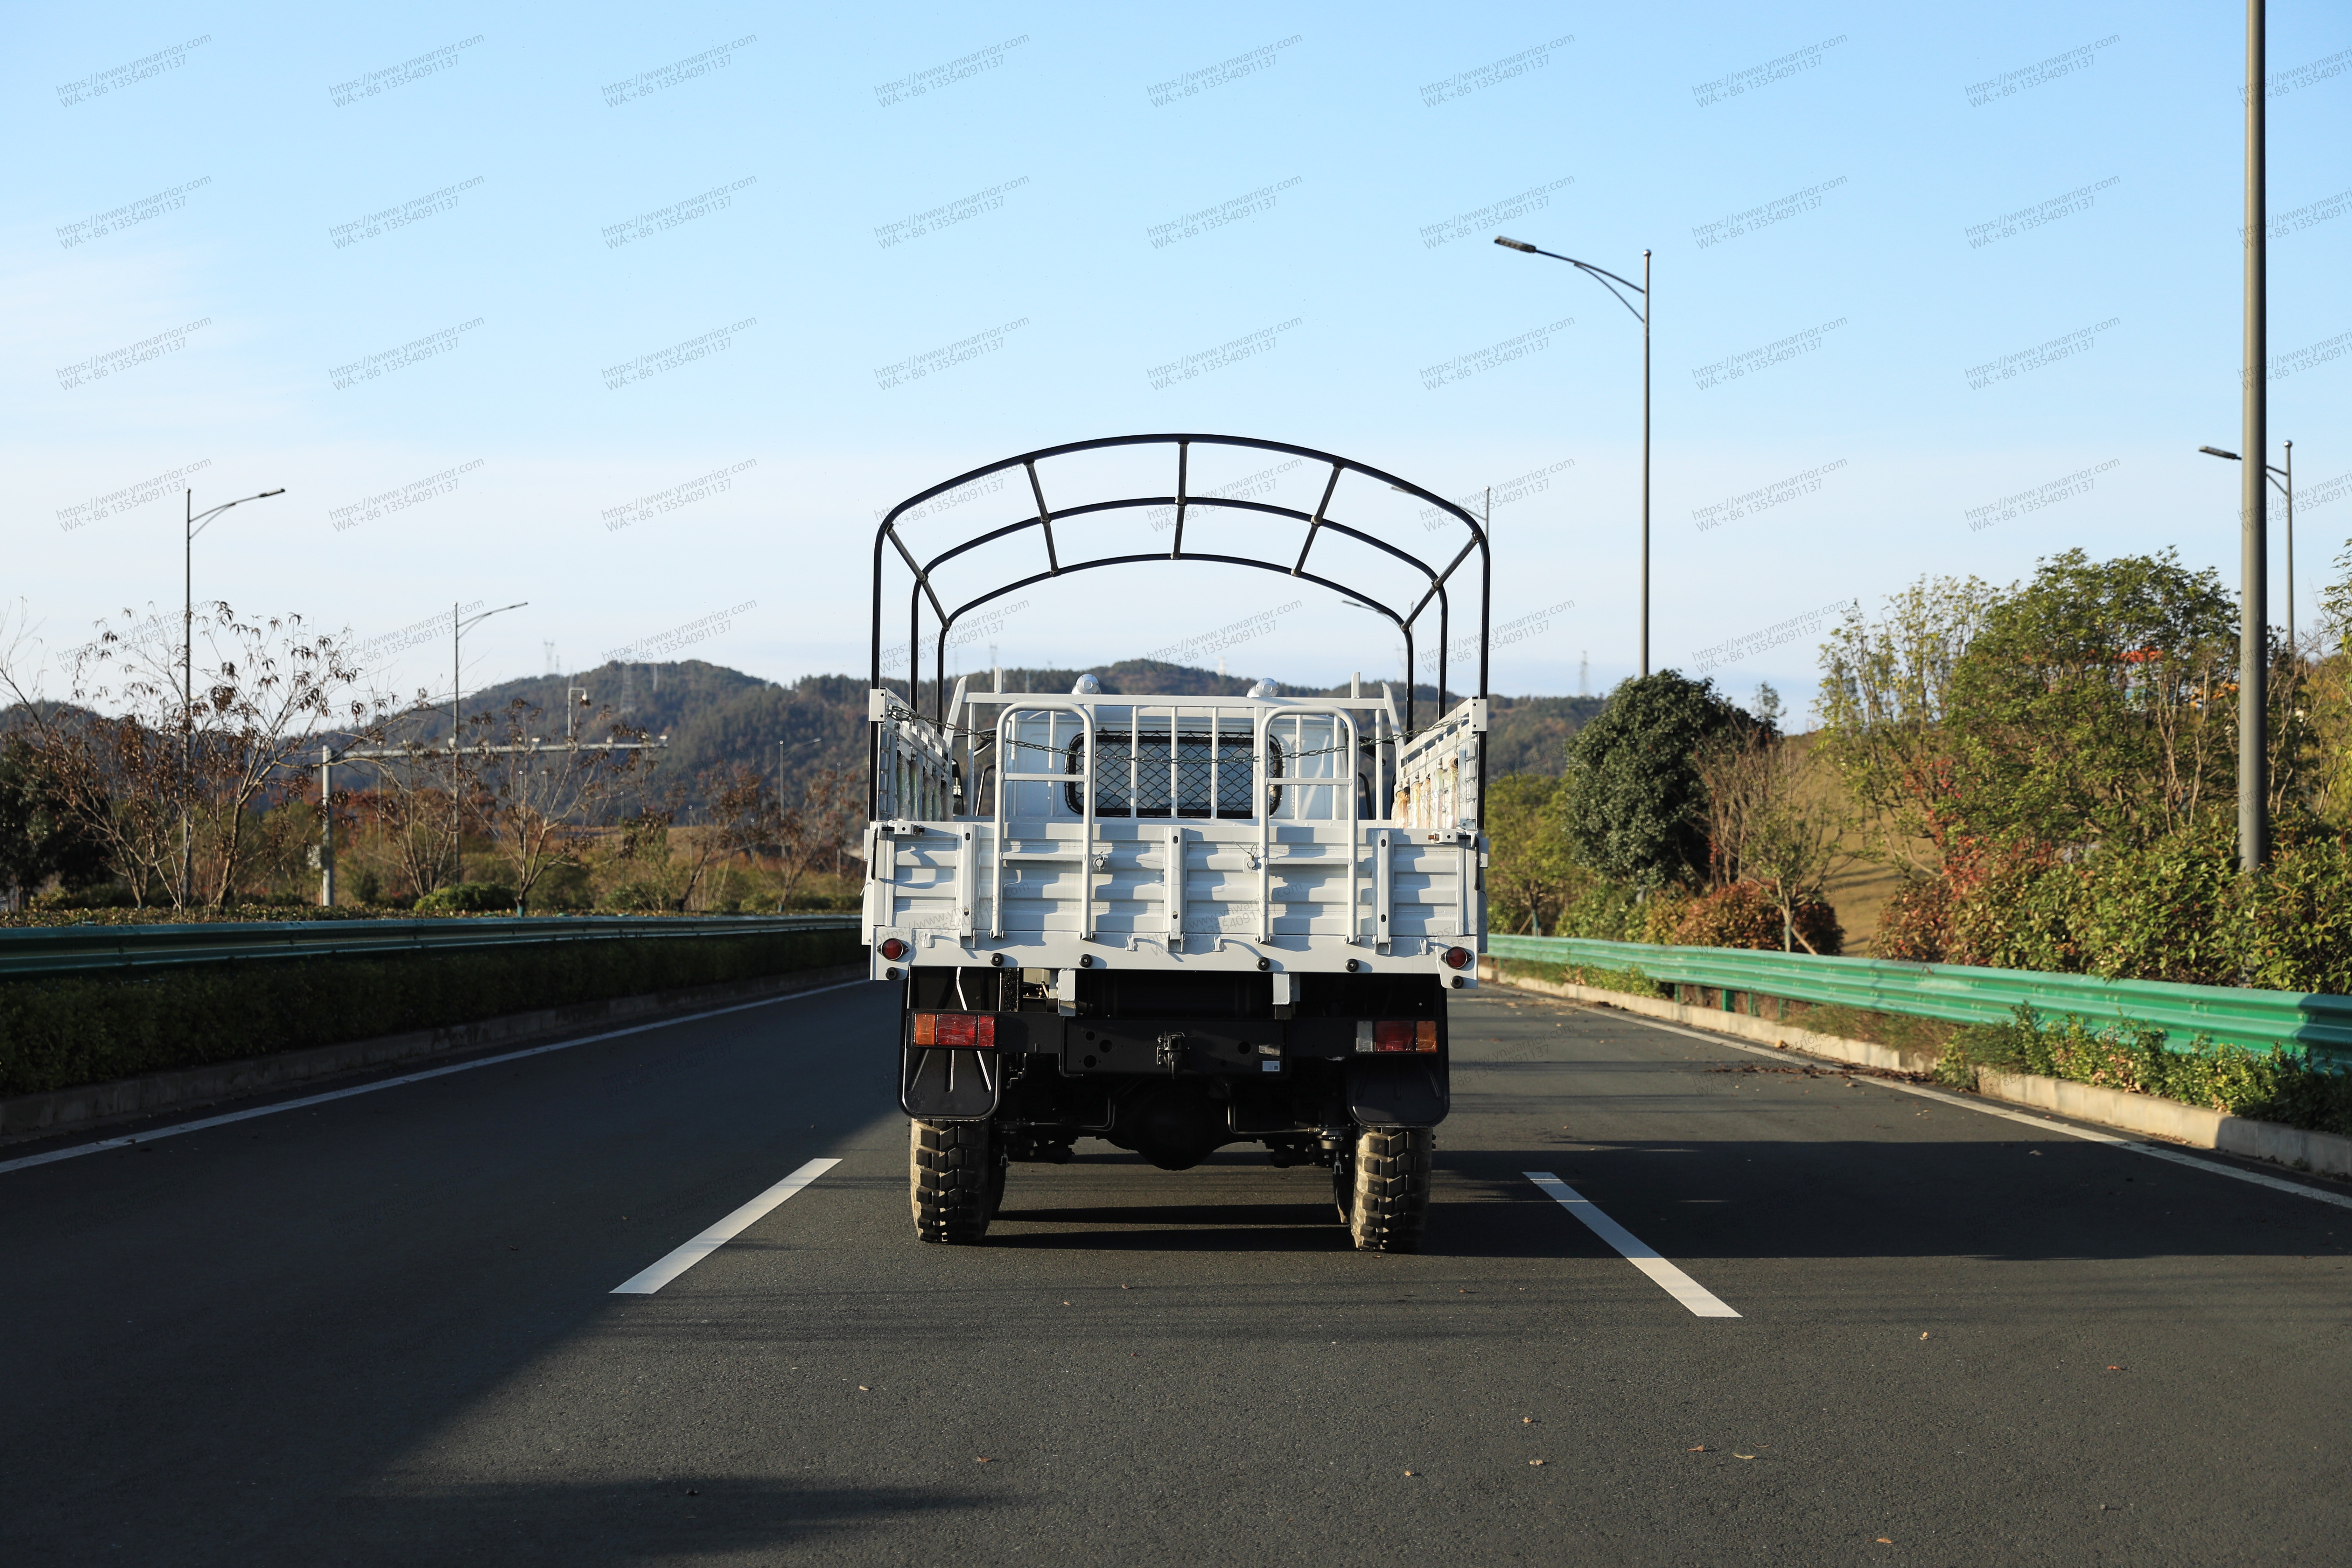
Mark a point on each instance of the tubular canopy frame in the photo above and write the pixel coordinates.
(1279, 559)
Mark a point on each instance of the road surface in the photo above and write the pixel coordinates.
(384, 1329)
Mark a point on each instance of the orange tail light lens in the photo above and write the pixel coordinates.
(1404, 1035)
(956, 1031)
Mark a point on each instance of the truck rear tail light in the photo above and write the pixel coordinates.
(1458, 958)
(893, 948)
(1405, 1034)
(956, 1031)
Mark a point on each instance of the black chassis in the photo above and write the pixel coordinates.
(1295, 1077)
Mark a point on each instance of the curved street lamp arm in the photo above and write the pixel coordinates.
(1600, 275)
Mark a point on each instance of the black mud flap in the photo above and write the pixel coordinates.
(950, 1086)
(1401, 1091)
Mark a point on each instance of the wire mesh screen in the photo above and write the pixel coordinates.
(1152, 774)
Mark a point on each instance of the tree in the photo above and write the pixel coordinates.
(1773, 826)
(1530, 873)
(833, 800)
(39, 838)
(161, 780)
(529, 793)
(1632, 803)
(1886, 692)
(2084, 709)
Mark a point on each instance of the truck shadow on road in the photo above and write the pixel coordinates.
(2026, 1198)
(632, 1518)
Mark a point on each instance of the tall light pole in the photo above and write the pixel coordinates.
(1608, 280)
(2253, 497)
(2284, 477)
(457, 629)
(196, 523)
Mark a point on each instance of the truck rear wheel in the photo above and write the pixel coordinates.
(1382, 1187)
(952, 1179)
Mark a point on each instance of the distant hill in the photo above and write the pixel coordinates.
(713, 715)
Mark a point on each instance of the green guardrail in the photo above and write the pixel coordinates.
(2308, 1023)
(70, 950)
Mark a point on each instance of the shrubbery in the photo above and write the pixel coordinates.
(467, 898)
(58, 1033)
(2266, 1086)
(1744, 915)
(2175, 910)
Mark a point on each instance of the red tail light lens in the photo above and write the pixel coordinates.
(1458, 957)
(1415, 1035)
(893, 948)
(956, 1031)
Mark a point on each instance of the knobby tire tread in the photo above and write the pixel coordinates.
(1388, 1190)
(952, 1180)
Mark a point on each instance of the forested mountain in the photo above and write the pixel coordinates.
(714, 715)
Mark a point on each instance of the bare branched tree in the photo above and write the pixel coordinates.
(167, 782)
(529, 794)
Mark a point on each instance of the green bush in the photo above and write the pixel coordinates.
(2267, 1086)
(58, 1033)
(1744, 915)
(1631, 982)
(467, 898)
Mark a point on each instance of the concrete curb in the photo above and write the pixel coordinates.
(96, 1104)
(2327, 1152)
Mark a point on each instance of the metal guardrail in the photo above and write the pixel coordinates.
(70, 950)
(2307, 1023)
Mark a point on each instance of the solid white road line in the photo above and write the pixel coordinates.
(2087, 1134)
(1702, 1302)
(150, 1136)
(652, 1279)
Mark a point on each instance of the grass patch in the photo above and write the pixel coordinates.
(1631, 981)
(62, 1032)
(2267, 1086)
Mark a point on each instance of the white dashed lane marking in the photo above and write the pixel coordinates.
(1702, 1302)
(647, 1281)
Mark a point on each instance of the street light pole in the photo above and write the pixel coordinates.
(2254, 617)
(457, 629)
(194, 523)
(1606, 278)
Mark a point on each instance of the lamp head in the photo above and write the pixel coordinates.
(2217, 452)
(1514, 245)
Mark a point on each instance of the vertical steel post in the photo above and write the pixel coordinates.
(2253, 491)
(187, 689)
(1648, 305)
(456, 811)
(325, 826)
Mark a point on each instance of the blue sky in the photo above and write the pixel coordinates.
(476, 187)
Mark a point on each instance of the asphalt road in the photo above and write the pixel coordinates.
(381, 1330)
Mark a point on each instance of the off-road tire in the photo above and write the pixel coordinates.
(1386, 1178)
(952, 1179)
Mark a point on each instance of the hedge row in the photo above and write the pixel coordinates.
(2264, 1086)
(59, 1033)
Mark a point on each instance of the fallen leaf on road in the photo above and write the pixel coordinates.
(1527, 1420)
(980, 1460)
(2115, 1369)
(1739, 1456)
(862, 1389)
(1883, 1541)
(1701, 1448)
(1410, 1472)
(1535, 1461)
(1923, 1336)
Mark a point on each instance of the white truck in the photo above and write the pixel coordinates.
(1173, 923)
